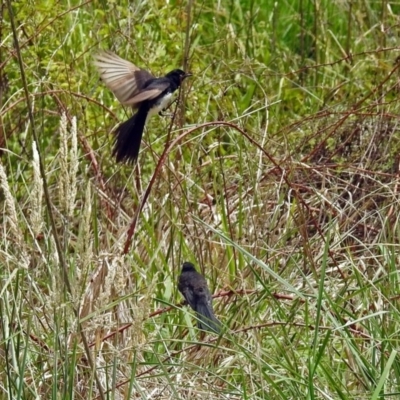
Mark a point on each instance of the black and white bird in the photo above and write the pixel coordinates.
(137, 88)
(194, 289)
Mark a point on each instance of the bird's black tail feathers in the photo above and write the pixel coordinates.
(128, 137)
(207, 320)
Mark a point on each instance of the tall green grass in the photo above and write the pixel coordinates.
(278, 179)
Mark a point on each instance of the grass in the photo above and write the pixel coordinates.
(278, 178)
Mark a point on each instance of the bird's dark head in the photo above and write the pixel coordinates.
(178, 74)
(187, 266)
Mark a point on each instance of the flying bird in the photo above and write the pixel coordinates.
(194, 289)
(137, 88)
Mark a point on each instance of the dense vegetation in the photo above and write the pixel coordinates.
(278, 177)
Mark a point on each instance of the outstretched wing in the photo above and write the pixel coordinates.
(150, 92)
(123, 78)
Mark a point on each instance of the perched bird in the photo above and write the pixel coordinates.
(139, 89)
(193, 287)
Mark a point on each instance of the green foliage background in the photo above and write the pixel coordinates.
(283, 189)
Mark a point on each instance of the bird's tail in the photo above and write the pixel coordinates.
(129, 136)
(207, 320)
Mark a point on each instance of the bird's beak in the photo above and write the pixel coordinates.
(187, 75)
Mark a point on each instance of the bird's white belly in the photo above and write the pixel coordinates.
(162, 104)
